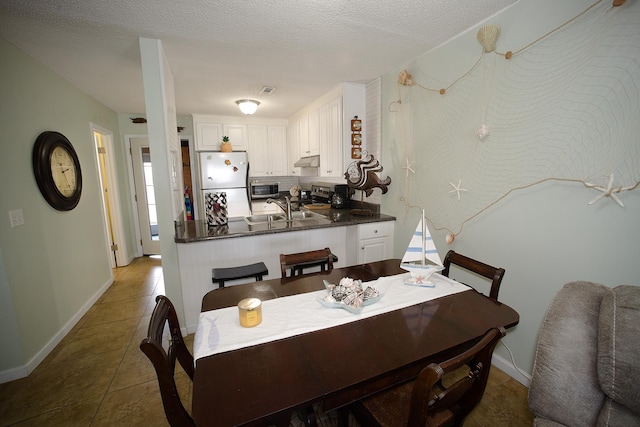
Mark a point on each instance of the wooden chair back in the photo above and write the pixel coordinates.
(492, 273)
(299, 261)
(426, 401)
(164, 361)
(457, 400)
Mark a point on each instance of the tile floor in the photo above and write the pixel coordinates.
(97, 375)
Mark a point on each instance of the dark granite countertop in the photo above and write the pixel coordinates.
(197, 231)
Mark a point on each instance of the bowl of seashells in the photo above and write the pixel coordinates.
(349, 294)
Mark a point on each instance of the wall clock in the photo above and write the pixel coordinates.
(57, 170)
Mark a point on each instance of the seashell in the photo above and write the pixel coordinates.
(339, 292)
(370, 292)
(354, 299)
(347, 282)
(329, 298)
(487, 37)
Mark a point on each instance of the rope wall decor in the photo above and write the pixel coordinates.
(565, 107)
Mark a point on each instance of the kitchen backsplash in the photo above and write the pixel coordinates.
(285, 182)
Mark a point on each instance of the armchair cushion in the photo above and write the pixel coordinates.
(564, 385)
(619, 347)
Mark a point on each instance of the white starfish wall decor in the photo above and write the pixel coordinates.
(607, 191)
(457, 189)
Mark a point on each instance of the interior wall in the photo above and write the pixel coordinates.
(57, 262)
(544, 235)
(166, 157)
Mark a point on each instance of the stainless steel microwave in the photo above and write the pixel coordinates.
(264, 190)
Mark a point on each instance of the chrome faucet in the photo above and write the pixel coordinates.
(285, 207)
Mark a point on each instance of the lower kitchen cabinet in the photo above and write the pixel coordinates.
(374, 241)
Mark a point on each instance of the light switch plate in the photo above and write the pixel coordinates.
(16, 217)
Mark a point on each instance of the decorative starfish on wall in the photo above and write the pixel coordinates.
(607, 191)
(408, 168)
(457, 188)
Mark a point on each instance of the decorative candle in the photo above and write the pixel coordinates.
(250, 312)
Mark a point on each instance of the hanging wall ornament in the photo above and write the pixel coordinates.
(487, 37)
(483, 132)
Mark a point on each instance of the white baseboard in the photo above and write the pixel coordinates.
(510, 369)
(25, 370)
(13, 374)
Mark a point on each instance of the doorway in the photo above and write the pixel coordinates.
(145, 195)
(103, 141)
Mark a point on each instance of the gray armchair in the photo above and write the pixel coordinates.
(587, 364)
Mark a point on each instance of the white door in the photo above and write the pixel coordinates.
(114, 231)
(145, 196)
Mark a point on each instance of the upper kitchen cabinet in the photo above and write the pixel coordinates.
(267, 150)
(313, 142)
(208, 134)
(293, 149)
(331, 150)
(323, 127)
(237, 136)
(209, 130)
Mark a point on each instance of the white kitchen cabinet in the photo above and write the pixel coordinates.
(293, 148)
(330, 123)
(277, 137)
(267, 150)
(303, 132)
(208, 136)
(237, 136)
(375, 241)
(314, 133)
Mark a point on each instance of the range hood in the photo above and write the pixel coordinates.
(308, 162)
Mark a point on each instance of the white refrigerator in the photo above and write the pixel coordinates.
(229, 173)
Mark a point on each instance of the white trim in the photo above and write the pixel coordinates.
(25, 370)
(510, 369)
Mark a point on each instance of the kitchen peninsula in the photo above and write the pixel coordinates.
(354, 239)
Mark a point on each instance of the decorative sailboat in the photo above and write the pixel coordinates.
(420, 250)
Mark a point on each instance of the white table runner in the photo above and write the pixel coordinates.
(219, 330)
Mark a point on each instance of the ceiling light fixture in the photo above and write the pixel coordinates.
(247, 106)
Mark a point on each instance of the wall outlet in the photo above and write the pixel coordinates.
(16, 217)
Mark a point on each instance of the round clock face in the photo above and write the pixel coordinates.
(63, 170)
(57, 170)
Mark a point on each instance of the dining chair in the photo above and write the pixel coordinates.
(164, 361)
(426, 401)
(492, 273)
(297, 262)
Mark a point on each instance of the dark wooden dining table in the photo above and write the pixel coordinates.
(263, 384)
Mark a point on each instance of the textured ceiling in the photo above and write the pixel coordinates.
(224, 50)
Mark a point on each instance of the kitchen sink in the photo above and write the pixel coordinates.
(296, 215)
(306, 215)
(261, 219)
